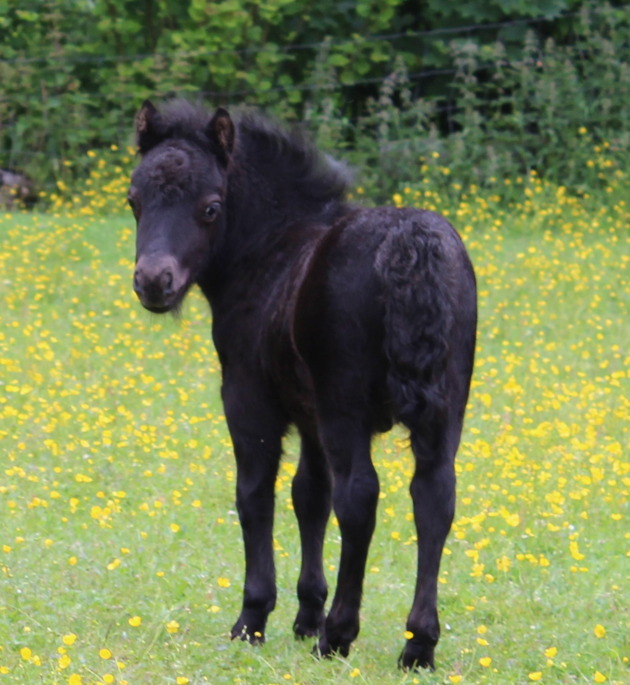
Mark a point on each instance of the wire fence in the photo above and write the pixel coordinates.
(58, 61)
(469, 29)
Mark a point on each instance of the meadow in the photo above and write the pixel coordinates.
(120, 549)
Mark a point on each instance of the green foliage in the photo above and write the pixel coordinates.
(559, 110)
(74, 73)
(382, 84)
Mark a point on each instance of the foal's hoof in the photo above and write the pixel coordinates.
(241, 631)
(416, 656)
(308, 624)
(326, 650)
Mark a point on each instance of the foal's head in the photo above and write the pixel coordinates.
(177, 195)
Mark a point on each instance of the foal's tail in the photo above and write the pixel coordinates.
(418, 291)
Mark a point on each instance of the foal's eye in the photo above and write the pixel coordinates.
(211, 212)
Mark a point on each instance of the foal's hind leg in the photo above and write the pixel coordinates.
(355, 496)
(433, 493)
(311, 502)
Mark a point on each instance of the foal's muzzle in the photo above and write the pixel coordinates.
(159, 282)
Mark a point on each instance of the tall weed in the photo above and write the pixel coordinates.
(558, 110)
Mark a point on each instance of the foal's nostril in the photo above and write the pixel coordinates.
(157, 280)
(167, 281)
(137, 286)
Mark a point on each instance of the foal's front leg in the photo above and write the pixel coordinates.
(256, 431)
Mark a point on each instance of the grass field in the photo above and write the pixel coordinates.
(120, 551)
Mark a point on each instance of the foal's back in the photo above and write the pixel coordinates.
(372, 254)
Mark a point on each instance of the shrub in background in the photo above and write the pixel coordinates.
(559, 110)
(482, 111)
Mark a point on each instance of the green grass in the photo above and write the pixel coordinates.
(117, 479)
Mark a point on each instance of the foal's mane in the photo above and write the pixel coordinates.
(292, 156)
(289, 152)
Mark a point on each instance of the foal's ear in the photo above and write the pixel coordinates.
(220, 132)
(149, 127)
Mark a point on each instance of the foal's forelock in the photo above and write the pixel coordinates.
(171, 171)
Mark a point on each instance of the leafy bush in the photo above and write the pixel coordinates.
(558, 110)
(386, 89)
